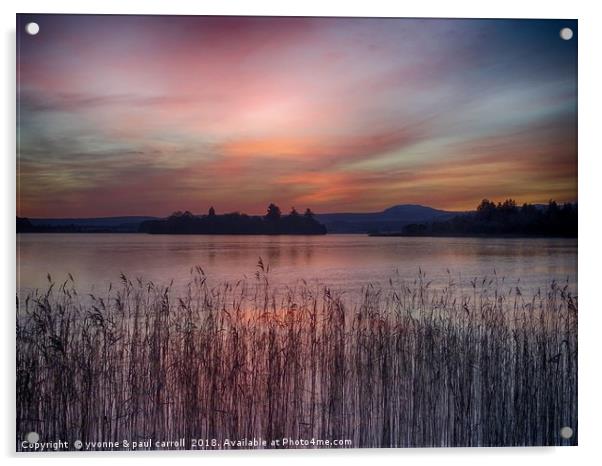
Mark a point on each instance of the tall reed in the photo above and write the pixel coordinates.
(403, 365)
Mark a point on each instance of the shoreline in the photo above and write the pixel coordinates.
(468, 235)
(371, 235)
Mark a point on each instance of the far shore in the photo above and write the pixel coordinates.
(467, 235)
(372, 235)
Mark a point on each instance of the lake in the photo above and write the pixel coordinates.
(343, 262)
(406, 372)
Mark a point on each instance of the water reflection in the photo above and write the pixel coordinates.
(344, 262)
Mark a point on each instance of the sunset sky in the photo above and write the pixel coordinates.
(142, 115)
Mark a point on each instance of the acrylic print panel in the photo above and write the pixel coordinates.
(270, 232)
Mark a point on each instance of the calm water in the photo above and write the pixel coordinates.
(344, 262)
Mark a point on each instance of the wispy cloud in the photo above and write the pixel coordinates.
(151, 114)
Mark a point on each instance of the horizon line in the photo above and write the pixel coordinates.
(519, 204)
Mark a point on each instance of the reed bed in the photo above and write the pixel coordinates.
(403, 365)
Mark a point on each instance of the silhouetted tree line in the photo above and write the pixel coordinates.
(273, 223)
(505, 218)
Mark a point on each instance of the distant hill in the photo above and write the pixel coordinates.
(502, 219)
(401, 220)
(389, 220)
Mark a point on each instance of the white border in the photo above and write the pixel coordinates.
(590, 321)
